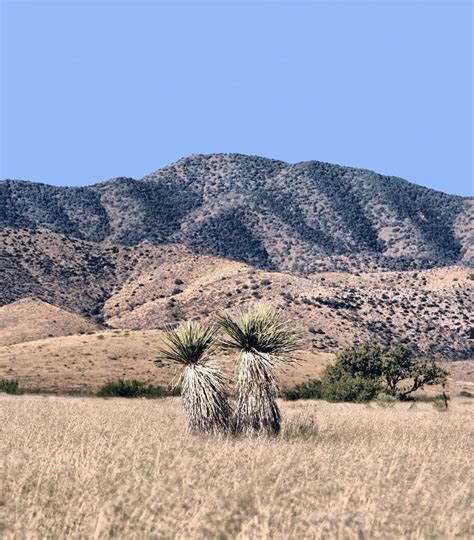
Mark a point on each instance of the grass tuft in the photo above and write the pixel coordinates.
(10, 386)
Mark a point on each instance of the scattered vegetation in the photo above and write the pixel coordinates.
(306, 390)
(323, 208)
(133, 389)
(10, 386)
(363, 372)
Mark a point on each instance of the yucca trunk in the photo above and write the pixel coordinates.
(257, 410)
(204, 399)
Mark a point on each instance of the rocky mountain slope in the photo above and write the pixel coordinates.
(350, 255)
(149, 287)
(301, 218)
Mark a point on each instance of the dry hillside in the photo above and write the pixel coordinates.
(85, 362)
(30, 319)
(146, 287)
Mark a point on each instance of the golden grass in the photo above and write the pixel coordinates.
(95, 468)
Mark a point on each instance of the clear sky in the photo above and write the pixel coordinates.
(93, 90)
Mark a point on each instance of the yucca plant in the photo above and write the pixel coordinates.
(190, 347)
(264, 339)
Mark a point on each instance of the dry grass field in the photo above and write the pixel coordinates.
(96, 468)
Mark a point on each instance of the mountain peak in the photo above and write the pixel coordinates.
(305, 217)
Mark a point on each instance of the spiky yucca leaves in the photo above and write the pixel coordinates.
(190, 347)
(264, 340)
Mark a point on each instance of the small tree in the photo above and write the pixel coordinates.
(362, 360)
(399, 364)
(264, 340)
(361, 371)
(190, 347)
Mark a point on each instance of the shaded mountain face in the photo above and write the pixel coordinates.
(302, 218)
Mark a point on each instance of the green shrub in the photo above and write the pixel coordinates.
(339, 385)
(430, 399)
(440, 404)
(306, 390)
(133, 389)
(10, 386)
(400, 365)
(362, 371)
(466, 393)
(363, 361)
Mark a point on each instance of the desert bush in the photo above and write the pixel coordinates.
(301, 426)
(363, 361)
(339, 385)
(440, 403)
(10, 386)
(311, 389)
(133, 389)
(399, 365)
(385, 399)
(362, 371)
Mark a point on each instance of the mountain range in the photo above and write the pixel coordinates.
(351, 255)
(303, 218)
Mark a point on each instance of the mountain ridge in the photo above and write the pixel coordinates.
(235, 155)
(305, 217)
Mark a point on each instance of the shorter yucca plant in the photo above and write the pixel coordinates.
(264, 340)
(203, 385)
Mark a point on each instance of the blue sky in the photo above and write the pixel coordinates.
(93, 90)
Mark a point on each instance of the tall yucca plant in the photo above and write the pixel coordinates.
(190, 347)
(264, 340)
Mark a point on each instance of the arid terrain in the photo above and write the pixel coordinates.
(95, 468)
(84, 362)
(149, 287)
(90, 278)
(301, 218)
(350, 255)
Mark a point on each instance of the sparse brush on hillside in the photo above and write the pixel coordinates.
(264, 340)
(190, 347)
(253, 209)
